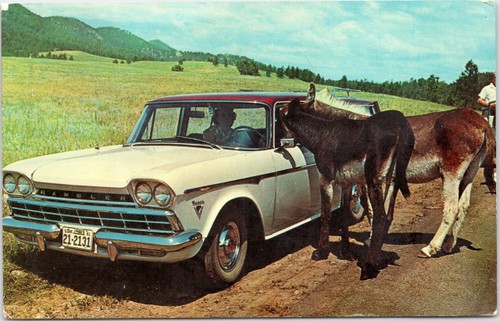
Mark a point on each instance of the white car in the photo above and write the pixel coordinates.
(169, 193)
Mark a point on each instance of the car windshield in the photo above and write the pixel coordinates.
(213, 124)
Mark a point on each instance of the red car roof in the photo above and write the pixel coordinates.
(269, 98)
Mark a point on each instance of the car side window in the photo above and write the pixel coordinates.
(162, 124)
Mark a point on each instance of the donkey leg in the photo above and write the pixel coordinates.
(390, 200)
(342, 223)
(326, 207)
(463, 205)
(370, 268)
(366, 204)
(464, 192)
(450, 212)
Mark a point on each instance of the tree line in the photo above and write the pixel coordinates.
(463, 92)
(49, 55)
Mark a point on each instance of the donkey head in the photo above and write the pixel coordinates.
(290, 110)
(296, 105)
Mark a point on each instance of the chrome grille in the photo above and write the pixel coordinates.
(107, 215)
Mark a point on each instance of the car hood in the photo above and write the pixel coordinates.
(181, 167)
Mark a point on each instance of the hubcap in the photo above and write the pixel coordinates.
(229, 246)
(355, 199)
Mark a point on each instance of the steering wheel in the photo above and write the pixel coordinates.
(246, 129)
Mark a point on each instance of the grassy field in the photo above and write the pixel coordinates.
(49, 106)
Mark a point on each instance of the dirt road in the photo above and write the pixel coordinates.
(284, 281)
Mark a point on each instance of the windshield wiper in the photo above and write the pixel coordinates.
(197, 140)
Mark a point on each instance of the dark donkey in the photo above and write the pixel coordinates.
(451, 145)
(356, 152)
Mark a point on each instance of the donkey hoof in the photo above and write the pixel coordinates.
(319, 255)
(368, 272)
(423, 255)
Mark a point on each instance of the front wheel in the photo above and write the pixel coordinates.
(225, 258)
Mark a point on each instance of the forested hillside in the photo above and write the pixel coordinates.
(25, 33)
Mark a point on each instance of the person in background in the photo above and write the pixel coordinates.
(487, 100)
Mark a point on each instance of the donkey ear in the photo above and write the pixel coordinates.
(293, 106)
(311, 93)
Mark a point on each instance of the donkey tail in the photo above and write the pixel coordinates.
(406, 142)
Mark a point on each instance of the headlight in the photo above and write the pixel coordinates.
(143, 193)
(162, 195)
(9, 183)
(24, 185)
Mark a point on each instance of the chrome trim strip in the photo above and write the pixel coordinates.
(291, 227)
(250, 180)
(146, 242)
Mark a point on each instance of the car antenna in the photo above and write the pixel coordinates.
(97, 121)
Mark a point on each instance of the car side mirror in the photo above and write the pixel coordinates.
(287, 142)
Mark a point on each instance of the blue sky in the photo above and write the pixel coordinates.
(373, 40)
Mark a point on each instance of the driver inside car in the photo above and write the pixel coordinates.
(220, 130)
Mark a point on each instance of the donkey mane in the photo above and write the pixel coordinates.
(325, 97)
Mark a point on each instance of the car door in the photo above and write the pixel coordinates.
(297, 184)
(297, 187)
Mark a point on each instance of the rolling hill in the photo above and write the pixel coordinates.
(25, 33)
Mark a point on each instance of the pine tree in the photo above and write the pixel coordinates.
(280, 72)
(467, 86)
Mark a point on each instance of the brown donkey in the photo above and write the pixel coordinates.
(368, 152)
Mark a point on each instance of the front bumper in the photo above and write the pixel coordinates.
(111, 244)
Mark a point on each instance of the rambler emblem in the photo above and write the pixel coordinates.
(198, 207)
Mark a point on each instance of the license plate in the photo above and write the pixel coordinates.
(78, 238)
